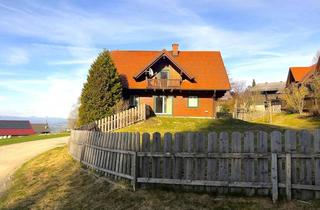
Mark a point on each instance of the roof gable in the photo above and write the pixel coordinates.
(299, 73)
(163, 53)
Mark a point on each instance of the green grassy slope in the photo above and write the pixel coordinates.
(15, 140)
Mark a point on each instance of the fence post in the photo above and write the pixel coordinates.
(134, 171)
(274, 176)
(144, 112)
(84, 145)
(288, 176)
(108, 123)
(139, 112)
(316, 150)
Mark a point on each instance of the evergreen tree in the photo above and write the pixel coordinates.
(253, 82)
(101, 92)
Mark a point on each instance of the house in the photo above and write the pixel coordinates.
(302, 74)
(40, 128)
(15, 128)
(269, 92)
(173, 83)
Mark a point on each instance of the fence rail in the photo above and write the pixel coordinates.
(286, 164)
(164, 83)
(123, 119)
(253, 115)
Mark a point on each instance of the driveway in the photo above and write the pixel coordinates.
(13, 156)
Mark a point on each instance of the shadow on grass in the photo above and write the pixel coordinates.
(230, 125)
(312, 119)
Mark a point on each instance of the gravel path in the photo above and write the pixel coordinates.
(13, 156)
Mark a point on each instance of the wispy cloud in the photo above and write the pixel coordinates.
(15, 56)
(2, 98)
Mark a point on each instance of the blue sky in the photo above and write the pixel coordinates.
(46, 47)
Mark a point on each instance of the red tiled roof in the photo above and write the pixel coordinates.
(206, 67)
(299, 73)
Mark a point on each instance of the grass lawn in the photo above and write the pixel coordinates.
(169, 124)
(293, 121)
(15, 140)
(54, 180)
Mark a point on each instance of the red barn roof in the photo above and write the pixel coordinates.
(15, 128)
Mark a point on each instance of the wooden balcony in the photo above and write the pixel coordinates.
(164, 83)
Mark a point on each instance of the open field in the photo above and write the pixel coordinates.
(15, 140)
(54, 180)
(170, 124)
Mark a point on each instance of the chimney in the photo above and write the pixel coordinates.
(175, 49)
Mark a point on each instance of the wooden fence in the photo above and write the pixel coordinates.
(241, 114)
(124, 119)
(286, 164)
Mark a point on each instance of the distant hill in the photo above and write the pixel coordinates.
(55, 124)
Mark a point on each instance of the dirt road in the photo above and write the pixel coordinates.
(13, 156)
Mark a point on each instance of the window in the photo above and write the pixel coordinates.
(163, 74)
(134, 101)
(193, 101)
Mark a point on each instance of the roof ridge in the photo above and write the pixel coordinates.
(136, 50)
(208, 51)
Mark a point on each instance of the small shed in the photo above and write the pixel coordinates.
(15, 128)
(40, 128)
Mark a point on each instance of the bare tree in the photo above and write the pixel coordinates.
(74, 116)
(294, 96)
(315, 85)
(316, 58)
(237, 88)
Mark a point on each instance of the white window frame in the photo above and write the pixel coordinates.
(193, 105)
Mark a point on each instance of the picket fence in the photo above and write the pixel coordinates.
(241, 114)
(251, 163)
(124, 118)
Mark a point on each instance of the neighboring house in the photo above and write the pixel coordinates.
(300, 74)
(15, 128)
(174, 83)
(40, 128)
(304, 75)
(270, 91)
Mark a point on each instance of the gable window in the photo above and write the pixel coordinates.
(193, 101)
(133, 101)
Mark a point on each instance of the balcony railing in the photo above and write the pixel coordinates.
(164, 83)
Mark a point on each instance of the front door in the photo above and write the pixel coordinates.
(163, 104)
